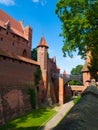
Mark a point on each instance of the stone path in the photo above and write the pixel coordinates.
(61, 112)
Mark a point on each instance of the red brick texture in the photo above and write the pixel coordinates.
(61, 91)
(16, 77)
(14, 72)
(14, 44)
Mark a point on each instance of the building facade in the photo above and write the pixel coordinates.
(17, 69)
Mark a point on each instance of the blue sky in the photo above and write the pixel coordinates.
(40, 15)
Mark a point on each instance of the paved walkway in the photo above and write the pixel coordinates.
(61, 112)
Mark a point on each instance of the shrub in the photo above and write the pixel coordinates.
(76, 99)
(32, 97)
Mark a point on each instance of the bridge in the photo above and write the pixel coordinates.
(68, 77)
(71, 90)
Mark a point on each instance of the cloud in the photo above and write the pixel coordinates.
(42, 2)
(7, 2)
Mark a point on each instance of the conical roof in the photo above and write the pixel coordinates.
(42, 43)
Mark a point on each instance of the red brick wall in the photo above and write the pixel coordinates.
(15, 79)
(86, 78)
(14, 72)
(53, 83)
(15, 44)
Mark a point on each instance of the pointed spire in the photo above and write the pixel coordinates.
(42, 43)
(64, 73)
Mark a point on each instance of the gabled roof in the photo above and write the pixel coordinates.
(42, 43)
(15, 26)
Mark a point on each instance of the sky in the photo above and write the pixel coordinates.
(40, 15)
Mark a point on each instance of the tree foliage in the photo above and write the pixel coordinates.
(93, 67)
(34, 54)
(76, 71)
(79, 25)
(37, 76)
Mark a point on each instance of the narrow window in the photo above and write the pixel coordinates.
(24, 54)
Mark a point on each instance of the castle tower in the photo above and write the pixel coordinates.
(42, 59)
(85, 71)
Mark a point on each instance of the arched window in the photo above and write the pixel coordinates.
(24, 53)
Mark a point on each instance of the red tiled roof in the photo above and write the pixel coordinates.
(15, 26)
(17, 57)
(42, 42)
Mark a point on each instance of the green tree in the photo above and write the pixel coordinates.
(79, 25)
(79, 20)
(34, 54)
(76, 71)
(93, 67)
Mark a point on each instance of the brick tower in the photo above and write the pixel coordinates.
(43, 59)
(85, 71)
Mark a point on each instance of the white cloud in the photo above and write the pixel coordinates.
(42, 2)
(7, 2)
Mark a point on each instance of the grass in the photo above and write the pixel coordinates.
(76, 99)
(30, 121)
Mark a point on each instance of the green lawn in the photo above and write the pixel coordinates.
(30, 121)
(76, 99)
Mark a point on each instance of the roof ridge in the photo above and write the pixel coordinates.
(16, 26)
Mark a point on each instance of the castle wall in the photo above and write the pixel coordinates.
(12, 43)
(86, 78)
(42, 60)
(16, 77)
(53, 83)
